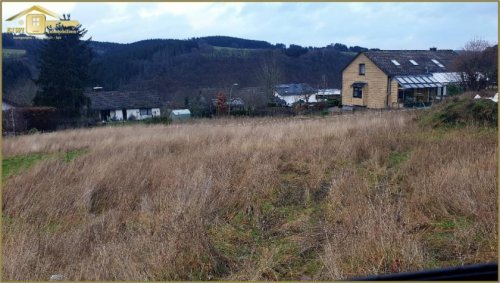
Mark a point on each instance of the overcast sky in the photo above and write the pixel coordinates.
(373, 25)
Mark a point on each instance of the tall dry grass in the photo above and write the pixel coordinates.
(251, 199)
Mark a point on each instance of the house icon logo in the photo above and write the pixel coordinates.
(38, 24)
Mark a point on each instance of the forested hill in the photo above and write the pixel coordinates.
(179, 68)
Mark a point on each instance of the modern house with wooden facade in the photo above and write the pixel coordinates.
(397, 78)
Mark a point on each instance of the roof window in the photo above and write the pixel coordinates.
(395, 62)
(414, 63)
(437, 63)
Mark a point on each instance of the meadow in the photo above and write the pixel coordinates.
(323, 198)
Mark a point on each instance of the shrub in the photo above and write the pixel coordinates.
(239, 112)
(463, 110)
(158, 120)
(332, 102)
(455, 89)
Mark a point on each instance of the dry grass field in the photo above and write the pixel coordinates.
(250, 199)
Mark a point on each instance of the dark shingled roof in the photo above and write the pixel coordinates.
(107, 100)
(382, 58)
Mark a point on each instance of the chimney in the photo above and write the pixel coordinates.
(433, 49)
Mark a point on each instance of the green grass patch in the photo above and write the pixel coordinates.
(15, 164)
(450, 224)
(72, 154)
(398, 158)
(51, 227)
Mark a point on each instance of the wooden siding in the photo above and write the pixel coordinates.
(374, 93)
(394, 93)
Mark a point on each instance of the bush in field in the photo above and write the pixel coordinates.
(455, 89)
(158, 120)
(334, 102)
(463, 110)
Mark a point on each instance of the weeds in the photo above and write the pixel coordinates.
(249, 199)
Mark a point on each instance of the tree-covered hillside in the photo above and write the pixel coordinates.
(179, 68)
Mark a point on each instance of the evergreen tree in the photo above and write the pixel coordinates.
(64, 71)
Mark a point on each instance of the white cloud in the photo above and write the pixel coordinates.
(382, 25)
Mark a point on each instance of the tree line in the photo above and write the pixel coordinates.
(63, 68)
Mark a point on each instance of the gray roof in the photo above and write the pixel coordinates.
(294, 89)
(424, 59)
(108, 100)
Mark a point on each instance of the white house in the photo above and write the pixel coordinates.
(324, 95)
(125, 105)
(292, 93)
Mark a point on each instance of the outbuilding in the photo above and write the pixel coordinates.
(180, 114)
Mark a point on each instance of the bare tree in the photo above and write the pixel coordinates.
(477, 64)
(269, 73)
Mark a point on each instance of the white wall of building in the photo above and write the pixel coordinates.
(133, 112)
(290, 99)
(116, 114)
(156, 112)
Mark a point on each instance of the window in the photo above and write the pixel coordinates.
(414, 63)
(145, 111)
(395, 62)
(437, 63)
(357, 92)
(35, 21)
(362, 69)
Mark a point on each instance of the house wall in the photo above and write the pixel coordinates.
(314, 97)
(374, 93)
(133, 112)
(290, 99)
(137, 113)
(116, 114)
(156, 112)
(180, 117)
(393, 98)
